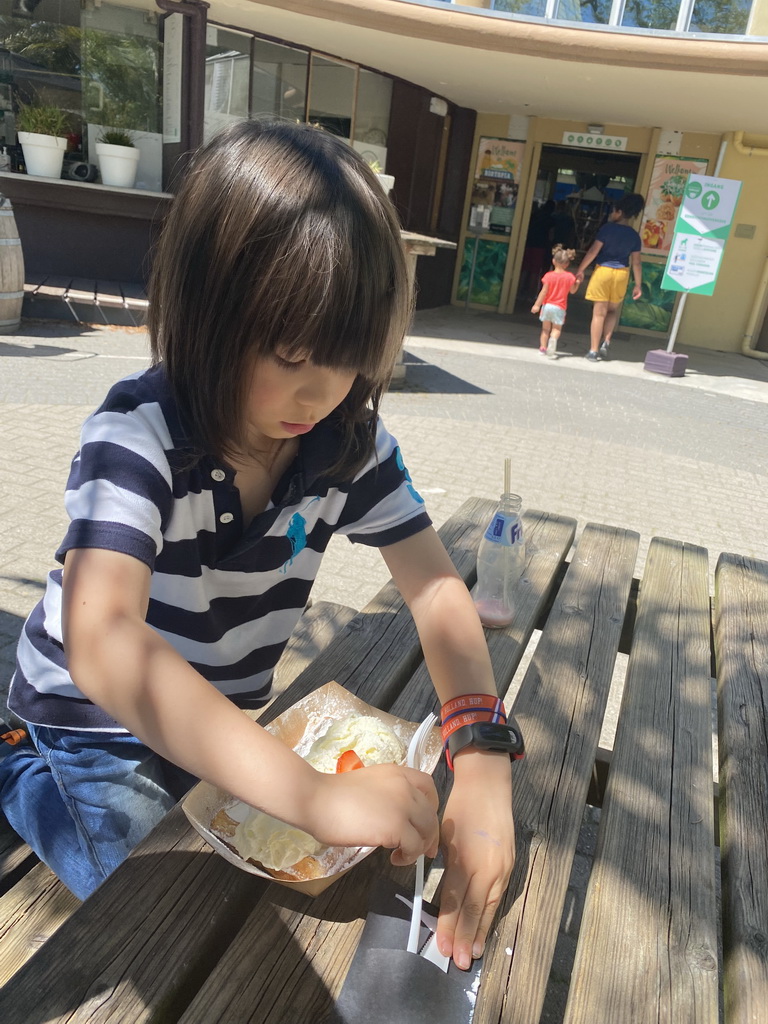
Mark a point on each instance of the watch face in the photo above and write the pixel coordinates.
(498, 737)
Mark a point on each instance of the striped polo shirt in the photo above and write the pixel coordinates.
(225, 597)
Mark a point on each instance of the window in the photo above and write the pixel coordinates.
(592, 12)
(531, 8)
(278, 80)
(374, 96)
(726, 16)
(100, 65)
(227, 73)
(332, 89)
(651, 14)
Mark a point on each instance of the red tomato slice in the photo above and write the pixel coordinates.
(348, 762)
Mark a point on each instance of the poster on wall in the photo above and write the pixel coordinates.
(665, 193)
(494, 190)
(652, 313)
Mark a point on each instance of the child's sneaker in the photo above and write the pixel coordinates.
(604, 347)
(592, 357)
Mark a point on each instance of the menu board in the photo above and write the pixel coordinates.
(665, 194)
(495, 186)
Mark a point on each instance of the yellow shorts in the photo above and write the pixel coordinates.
(608, 284)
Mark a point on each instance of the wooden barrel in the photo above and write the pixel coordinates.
(11, 270)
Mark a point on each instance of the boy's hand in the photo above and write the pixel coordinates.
(384, 805)
(579, 276)
(478, 839)
(535, 308)
(637, 292)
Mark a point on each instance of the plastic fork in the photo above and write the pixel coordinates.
(416, 749)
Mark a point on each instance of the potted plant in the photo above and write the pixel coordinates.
(387, 181)
(42, 130)
(118, 157)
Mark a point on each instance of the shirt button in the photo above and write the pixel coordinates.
(218, 475)
(226, 517)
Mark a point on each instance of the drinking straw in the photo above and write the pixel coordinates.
(507, 475)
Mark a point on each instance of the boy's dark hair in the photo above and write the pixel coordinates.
(630, 205)
(279, 238)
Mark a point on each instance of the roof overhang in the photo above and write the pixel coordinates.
(505, 65)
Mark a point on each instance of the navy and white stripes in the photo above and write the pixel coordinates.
(225, 598)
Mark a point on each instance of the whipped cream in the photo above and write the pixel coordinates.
(279, 846)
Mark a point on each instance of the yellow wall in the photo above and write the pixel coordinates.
(719, 321)
(759, 21)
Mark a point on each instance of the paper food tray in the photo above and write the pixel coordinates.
(298, 727)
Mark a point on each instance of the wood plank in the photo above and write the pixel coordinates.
(647, 948)
(54, 287)
(108, 293)
(312, 943)
(82, 290)
(143, 943)
(379, 649)
(741, 651)
(38, 904)
(560, 709)
(134, 296)
(30, 913)
(16, 858)
(320, 624)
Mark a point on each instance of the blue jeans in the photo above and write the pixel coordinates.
(82, 801)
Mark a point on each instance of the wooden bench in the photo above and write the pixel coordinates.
(741, 651)
(192, 939)
(33, 903)
(81, 298)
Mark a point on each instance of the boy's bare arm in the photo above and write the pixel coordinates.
(478, 830)
(124, 666)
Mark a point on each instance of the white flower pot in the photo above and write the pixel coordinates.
(43, 154)
(387, 182)
(118, 164)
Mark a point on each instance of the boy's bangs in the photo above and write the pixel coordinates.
(332, 314)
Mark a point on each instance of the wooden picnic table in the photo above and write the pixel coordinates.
(177, 934)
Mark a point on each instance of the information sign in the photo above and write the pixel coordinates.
(701, 229)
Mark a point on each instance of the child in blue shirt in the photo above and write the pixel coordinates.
(201, 501)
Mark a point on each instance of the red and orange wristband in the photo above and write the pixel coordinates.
(467, 710)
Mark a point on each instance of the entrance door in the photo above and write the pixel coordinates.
(574, 193)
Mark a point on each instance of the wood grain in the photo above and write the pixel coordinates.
(560, 709)
(741, 651)
(304, 948)
(647, 948)
(146, 939)
(30, 913)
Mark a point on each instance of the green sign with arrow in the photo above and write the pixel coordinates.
(701, 229)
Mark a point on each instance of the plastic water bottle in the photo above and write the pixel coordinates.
(500, 562)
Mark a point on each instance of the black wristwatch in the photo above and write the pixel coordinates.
(488, 736)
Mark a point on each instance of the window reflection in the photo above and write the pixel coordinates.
(531, 8)
(591, 12)
(279, 81)
(227, 69)
(332, 87)
(374, 97)
(659, 14)
(100, 66)
(722, 16)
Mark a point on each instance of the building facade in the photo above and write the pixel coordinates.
(491, 116)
